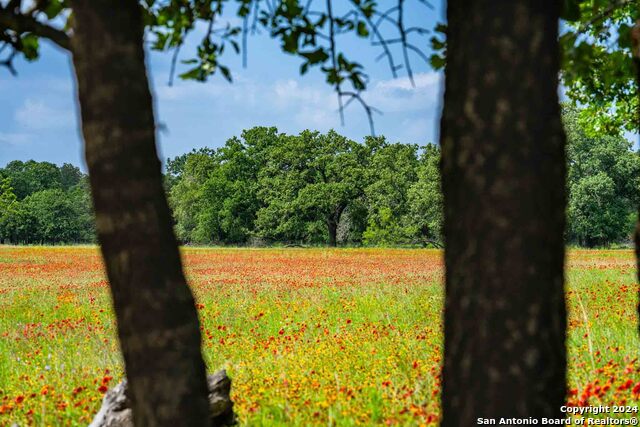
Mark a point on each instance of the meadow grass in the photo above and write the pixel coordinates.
(309, 336)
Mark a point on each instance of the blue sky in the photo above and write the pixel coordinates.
(39, 118)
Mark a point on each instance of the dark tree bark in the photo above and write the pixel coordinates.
(157, 321)
(333, 233)
(503, 178)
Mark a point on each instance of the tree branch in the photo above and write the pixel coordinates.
(604, 15)
(27, 24)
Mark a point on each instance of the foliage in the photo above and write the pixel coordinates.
(308, 182)
(425, 199)
(392, 172)
(306, 188)
(597, 70)
(603, 183)
(312, 188)
(30, 177)
(43, 203)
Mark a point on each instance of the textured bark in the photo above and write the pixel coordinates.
(503, 178)
(157, 321)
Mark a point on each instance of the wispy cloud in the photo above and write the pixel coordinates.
(293, 103)
(9, 138)
(37, 114)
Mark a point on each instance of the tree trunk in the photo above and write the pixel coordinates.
(503, 178)
(333, 233)
(157, 321)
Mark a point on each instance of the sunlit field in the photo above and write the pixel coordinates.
(308, 336)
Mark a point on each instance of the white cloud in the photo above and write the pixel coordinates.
(10, 138)
(218, 110)
(36, 114)
(398, 95)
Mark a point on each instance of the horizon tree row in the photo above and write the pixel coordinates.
(266, 187)
(318, 188)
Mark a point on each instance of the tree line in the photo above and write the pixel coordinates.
(44, 203)
(266, 187)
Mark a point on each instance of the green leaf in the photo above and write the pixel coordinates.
(315, 56)
(53, 9)
(225, 73)
(437, 62)
(363, 31)
(29, 46)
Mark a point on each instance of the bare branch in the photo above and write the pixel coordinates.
(376, 33)
(334, 62)
(174, 60)
(403, 36)
(369, 110)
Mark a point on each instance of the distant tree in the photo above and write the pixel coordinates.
(58, 218)
(426, 210)
(70, 176)
(19, 226)
(603, 184)
(230, 200)
(30, 177)
(8, 205)
(391, 172)
(214, 192)
(46, 216)
(597, 216)
(307, 184)
(188, 174)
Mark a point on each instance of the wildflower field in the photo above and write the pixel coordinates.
(308, 336)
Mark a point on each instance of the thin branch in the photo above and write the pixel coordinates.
(174, 60)
(418, 52)
(369, 110)
(334, 62)
(27, 24)
(245, 23)
(376, 33)
(428, 4)
(385, 16)
(403, 36)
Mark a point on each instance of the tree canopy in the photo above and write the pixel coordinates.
(266, 187)
(309, 188)
(43, 203)
(598, 72)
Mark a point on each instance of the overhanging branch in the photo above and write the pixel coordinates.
(27, 24)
